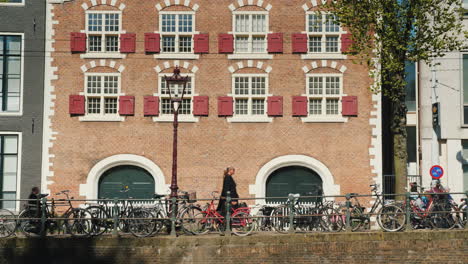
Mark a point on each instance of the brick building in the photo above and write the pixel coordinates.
(271, 93)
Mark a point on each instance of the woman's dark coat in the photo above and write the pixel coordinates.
(229, 185)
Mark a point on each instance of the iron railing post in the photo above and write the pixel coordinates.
(116, 218)
(43, 216)
(348, 213)
(291, 213)
(466, 211)
(409, 227)
(228, 213)
(173, 216)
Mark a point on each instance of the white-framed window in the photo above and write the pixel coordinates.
(12, 2)
(324, 35)
(177, 30)
(10, 170)
(11, 73)
(103, 29)
(324, 93)
(250, 93)
(102, 91)
(250, 31)
(165, 105)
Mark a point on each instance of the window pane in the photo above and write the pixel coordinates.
(94, 22)
(411, 144)
(169, 44)
(332, 107)
(13, 102)
(166, 106)
(315, 85)
(112, 43)
(185, 44)
(94, 105)
(10, 164)
(258, 23)
(185, 107)
(258, 85)
(242, 106)
(465, 115)
(2, 39)
(11, 144)
(258, 44)
(331, 44)
(14, 65)
(332, 85)
(9, 204)
(410, 69)
(465, 79)
(315, 44)
(94, 84)
(13, 84)
(110, 105)
(185, 23)
(315, 23)
(242, 44)
(241, 85)
(258, 106)
(112, 22)
(242, 23)
(13, 45)
(168, 23)
(94, 43)
(330, 24)
(315, 106)
(111, 84)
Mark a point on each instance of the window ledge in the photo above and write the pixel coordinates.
(311, 119)
(90, 118)
(250, 119)
(103, 55)
(253, 56)
(170, 119)
(10, 114)
(315, 56)
(12, 4)
(186, 56)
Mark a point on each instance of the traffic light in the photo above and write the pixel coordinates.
(435, 114)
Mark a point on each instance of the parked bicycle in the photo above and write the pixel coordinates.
(7, 223)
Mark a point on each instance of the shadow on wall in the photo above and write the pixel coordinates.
(59, 251)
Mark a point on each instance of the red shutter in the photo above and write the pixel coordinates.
(151, 105)
(77, 105)
(275, 106)
(126, 105)
(152, 43)
(226, 43)
(201, 43)
(299, 43)
(77, 42)
(275, 43)
(128, 43)
(200, 105)
(349, 105)
(299, 106)
(346, 42)
(225, 106)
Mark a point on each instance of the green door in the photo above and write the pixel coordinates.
(140, 183)
(293, 179)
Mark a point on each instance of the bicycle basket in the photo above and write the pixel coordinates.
(192, 197)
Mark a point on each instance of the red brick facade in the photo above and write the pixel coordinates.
(208, 146)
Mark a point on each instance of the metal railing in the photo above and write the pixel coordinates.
(149, 217)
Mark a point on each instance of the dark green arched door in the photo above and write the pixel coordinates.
(293, 179)
(140, 183)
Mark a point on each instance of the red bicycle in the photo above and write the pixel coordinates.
(209, 219)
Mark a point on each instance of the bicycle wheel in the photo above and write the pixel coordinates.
(191, 221)
(357, 216)
(27, 225)
(159, 220)
(331, 220)
(280, 219)
(242, 224)
(445, 216)
(7, 223)
(141, 223)
(391, 218)
(463, 214)
(78, 222)
(100, 220)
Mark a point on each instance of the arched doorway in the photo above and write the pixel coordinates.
(293, 179)
(139, 181)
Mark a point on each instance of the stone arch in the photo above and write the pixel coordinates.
(250, 64)
(313, 3)
(115, 3)
(166, 65)
(324, 64)
(90, 189)
(241, 3)
(166, 3)
(259, 188)
(103, 63)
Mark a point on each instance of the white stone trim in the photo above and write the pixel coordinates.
(167, 64)
(250, 64)
(90, 189)
(91, 3)
(375, 120)
(241, 3)
(167, 3)
(102, 63)
(259, 188)
(325, 64)
(313, 3)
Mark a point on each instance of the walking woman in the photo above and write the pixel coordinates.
(229, 185)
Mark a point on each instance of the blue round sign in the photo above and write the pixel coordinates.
(436, 172)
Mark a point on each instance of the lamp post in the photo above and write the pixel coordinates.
(176, 96)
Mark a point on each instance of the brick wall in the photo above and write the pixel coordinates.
(212, 144)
